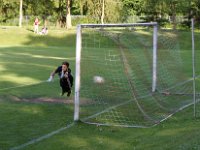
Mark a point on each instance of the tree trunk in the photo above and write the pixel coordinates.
(102, 13)
(68, 15)
(174, 21)
(174, 16)
(45, 22)
(59, 19)
(81, 7)
(20, 14)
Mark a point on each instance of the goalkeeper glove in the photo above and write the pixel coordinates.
(50, 79)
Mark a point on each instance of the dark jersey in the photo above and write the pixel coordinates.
(68, 76)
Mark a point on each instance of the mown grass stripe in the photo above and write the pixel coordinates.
(42, 137)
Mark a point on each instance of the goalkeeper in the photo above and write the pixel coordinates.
(66, 78)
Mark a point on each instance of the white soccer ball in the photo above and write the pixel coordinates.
(98, 79)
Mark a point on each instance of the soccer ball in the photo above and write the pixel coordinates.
(98, 79)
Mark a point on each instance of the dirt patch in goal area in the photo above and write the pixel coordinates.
(66, 100)
(44, 100)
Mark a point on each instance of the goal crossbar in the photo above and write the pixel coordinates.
(117, 25)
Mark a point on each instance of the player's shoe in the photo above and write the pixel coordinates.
(68, 94)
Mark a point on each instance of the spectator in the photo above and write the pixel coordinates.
(44, 31)
(36, 25)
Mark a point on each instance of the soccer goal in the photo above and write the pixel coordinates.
(130, 75)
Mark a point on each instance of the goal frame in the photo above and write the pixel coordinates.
(78, 57)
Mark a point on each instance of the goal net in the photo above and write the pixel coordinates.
(130, 75)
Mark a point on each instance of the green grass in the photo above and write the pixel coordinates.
(26, 58)
(179, 132)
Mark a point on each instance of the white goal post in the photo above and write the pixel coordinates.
(78, 56)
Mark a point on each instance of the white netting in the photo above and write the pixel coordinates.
(122, 56)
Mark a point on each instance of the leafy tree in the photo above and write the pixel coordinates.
(79, 7)
(9, 9)
(195, 10)
(113, 11)
(172, 9)
(63, 13)
(108, 11)
(132, 7)
(104, 10)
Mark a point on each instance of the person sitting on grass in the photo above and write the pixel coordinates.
(66, 78)
(44, 31)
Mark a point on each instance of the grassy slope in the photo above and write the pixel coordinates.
(21, 122)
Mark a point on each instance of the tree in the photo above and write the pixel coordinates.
(63, 13)
(102, 11)
(39, 8)
(20, 14)
(60, 13)
(79, 6)
(194, 11)
(9, 10)
(132, 7)
(172, 6)
(68, 15)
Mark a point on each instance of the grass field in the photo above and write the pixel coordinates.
(31, 110)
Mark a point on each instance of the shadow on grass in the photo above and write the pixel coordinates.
(54, 38)
(31, 30)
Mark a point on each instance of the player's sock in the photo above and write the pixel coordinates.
(63, 92)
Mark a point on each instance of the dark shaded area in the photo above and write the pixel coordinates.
(59, 38)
